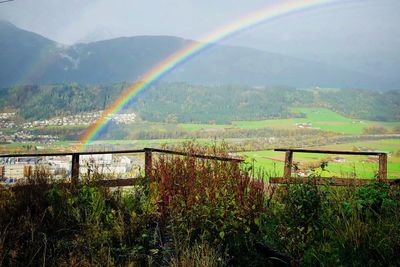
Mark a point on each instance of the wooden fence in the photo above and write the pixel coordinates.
(148, 165)
(288, 179)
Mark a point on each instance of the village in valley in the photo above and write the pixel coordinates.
(14, 170)
(20, 129)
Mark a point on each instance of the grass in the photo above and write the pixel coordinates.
(362, 166)
(388, 145)
(202, 141)
(196, 127)
(321, 115)
(320, 118)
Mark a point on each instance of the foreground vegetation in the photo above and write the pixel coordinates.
(199, 213)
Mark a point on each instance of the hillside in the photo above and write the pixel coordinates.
(188, 103)
(28, 58)
(223, 104)
(19, 51)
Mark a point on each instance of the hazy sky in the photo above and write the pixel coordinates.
(355, 30)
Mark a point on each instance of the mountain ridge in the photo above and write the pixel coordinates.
(29, 58)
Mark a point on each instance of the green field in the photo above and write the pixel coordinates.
(360, 166)
(319, 118)
(315, 118)
(196, 127)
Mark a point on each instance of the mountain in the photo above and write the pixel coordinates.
(28, 58)
(19, 49)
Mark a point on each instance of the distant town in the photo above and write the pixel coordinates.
(16, 170)
(9, 120)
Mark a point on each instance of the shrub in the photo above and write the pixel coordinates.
(52, 224)
(292, 223)
(209, 201)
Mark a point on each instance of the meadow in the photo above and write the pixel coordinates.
(272, 162)
(317, 118)
(322, 119)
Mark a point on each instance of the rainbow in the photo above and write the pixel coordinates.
(188, 52)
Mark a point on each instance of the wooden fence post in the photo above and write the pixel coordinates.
(75, 169)
(148, 163)
(382, 174)
(288, 164)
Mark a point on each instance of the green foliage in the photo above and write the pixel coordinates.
(374, 199)
(197, 255)
(41, 102)
(189, 103)
(363, 104)
(360, 227)
(293, 223)
(210, 201)
(77, 226)
(203, 104)
(198, 213)
(326, 226)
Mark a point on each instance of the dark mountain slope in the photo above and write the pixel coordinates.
(19, 50)
(28, 58)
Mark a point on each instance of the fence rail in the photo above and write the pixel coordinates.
(287, 172)
(286, 179)
(148, 156)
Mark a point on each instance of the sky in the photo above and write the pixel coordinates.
(364, 33)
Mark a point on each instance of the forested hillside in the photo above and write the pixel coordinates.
(41, 102)
(187, 103)
(220, 104)
(363, 104)
(201, 104)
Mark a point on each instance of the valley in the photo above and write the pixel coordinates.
(199, 133)
(311, 127)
